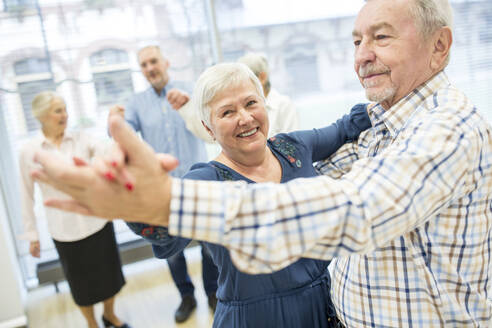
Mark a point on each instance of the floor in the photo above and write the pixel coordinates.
(148, 299)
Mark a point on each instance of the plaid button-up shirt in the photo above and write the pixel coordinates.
(406, 211)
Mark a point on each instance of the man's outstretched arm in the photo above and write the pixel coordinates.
(269, 226)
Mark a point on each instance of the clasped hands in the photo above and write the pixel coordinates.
(130, 182)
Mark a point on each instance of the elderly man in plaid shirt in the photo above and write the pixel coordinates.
(405, 212)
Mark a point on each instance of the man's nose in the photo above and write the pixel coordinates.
(364, 54)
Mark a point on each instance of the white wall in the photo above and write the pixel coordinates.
(12, 291)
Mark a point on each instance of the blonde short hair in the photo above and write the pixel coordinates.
(41, 102)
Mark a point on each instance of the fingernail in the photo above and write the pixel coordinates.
(109, 176)
(129, 186)
(114, 164)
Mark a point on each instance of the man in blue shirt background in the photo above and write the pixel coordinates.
(154, 114)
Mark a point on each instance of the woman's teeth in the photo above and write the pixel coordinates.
(248, 133)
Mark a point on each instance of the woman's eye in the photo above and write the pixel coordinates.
(381, 37)
(356, 43)
(227, 112)
(251, 103)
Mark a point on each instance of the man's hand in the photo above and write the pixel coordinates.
(118, 110)
(177, 98)
(35, 248)
(147, 201)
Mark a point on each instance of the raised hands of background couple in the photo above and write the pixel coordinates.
(94, 194)
(35, 248)
(177, 98)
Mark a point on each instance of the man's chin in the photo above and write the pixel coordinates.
(157, 84)
(379, 96)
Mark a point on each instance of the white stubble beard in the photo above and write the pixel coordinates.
(374, 95)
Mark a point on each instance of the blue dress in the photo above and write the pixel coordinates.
(298, 295)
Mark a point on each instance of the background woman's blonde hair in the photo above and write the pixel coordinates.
(41, 103)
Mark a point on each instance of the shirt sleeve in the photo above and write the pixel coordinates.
(163, 244)
(323, 142)
(269, 226)
(27, 197)
(131, 114)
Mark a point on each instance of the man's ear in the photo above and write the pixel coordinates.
(166, 63)
(442, 41)
(208, 130)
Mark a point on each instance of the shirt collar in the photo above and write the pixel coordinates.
(45, 143)
(395, 117)
(163, 91)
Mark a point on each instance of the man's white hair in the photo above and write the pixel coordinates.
(431, 15)
(218, 78)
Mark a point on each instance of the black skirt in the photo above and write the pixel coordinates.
(92, 266)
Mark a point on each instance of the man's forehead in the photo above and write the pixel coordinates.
(148, 53)
(374, 27)
(378, 14)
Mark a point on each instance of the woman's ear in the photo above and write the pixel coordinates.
(209, 131)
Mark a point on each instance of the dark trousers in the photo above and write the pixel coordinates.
(179, 272)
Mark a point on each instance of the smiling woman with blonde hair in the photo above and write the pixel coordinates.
(86, 245)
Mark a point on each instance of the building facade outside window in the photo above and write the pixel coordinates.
(18, 5)
(32, 75)
(112, 76)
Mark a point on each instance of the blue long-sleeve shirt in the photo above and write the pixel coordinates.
(297, 296)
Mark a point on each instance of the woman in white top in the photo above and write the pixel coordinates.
(86, 246)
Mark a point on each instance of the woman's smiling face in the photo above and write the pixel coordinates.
(239, 120)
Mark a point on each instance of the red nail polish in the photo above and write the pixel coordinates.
(109, 176)
(129, 186)
(114, 164)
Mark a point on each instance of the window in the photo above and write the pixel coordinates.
(18, 5)
(112, 76)
(302, 66)
(232, 55)
(229, 4)
(32, 76)
(486, 28)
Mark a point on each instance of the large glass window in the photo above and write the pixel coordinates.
(92, 48)
(310, 51)
(301, 63)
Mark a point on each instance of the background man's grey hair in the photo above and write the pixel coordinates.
(149, 47)
(218, 78)
(41, 103)
(257, 62)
